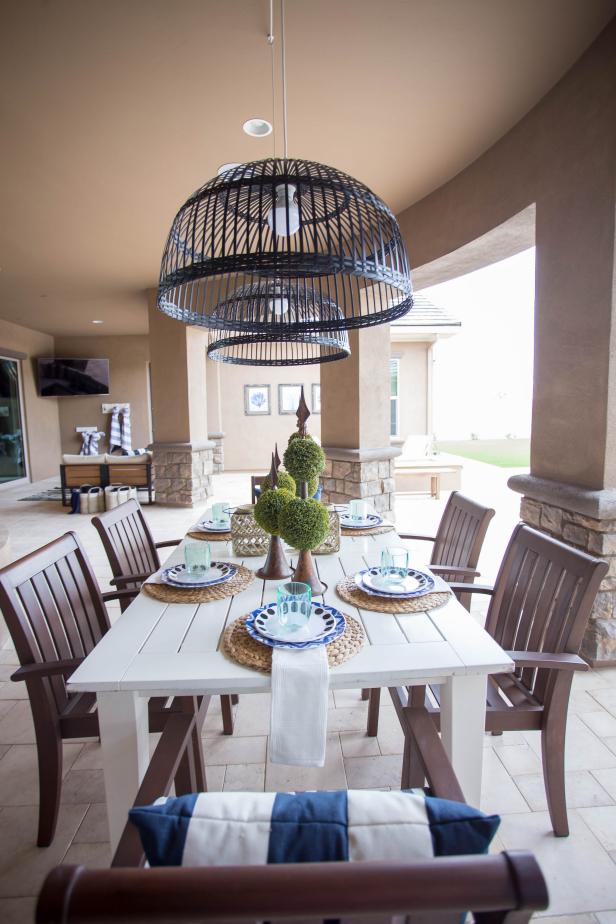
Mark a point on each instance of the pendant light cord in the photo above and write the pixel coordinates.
(270, 41)
(284, 78)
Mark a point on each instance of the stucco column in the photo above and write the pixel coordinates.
(182, 450)
(571, 491)
(214, 414)
(355, 423)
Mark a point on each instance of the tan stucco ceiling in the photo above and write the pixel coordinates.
(114, 111)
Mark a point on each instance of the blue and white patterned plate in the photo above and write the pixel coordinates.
(373, 519)
(326, 624)
(218, 573)
(210, 526)
(416, 584)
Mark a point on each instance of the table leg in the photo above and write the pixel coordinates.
(463, 709)
(123, 726)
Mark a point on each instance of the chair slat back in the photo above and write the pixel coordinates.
(53, 608)
(460, 533)
(127, 540)
(542, 600)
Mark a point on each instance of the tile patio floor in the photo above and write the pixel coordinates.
(581, 869)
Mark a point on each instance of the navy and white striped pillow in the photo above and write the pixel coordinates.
(224, 829)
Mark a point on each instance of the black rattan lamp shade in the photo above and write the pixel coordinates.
(344, 243)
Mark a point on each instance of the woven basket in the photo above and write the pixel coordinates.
(247, 536)
(331, 543)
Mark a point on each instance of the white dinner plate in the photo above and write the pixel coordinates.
(416, 583)
(371, 520)
(325, 625)
(217, 573)
(209, 526)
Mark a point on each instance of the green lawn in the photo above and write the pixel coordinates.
(506, 453)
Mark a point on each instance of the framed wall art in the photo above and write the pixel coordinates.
(288, 398)
(257, 399)
(316, 398)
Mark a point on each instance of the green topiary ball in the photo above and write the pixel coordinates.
(304, 523)
(304, 459)
(285, 481)
(269, 507)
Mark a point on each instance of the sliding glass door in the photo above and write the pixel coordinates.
(12, 448)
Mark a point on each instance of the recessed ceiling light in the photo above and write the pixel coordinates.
(98, 322)
(257, 128)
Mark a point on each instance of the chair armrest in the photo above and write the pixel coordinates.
(460, 587)
(454, 569)
(412, 536)
(120, 594)
(47, 669)
(563, 661)
(128, 578)
(167, 542)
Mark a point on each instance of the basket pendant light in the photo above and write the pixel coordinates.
(280, 251)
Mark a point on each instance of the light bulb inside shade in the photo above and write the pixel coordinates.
(284, 194)
(279, 305)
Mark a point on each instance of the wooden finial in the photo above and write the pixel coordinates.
(277, 458)
(273, 474)
(302, 415)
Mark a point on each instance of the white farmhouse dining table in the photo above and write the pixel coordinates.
(158, 649)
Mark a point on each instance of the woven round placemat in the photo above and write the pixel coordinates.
(348, 590)
(235, 585)
(240, 647)
(369, 531)
(211, 537)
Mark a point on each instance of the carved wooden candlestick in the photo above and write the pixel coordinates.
(276, 567)
(306, 572)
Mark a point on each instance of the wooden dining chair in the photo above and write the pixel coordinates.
(455, 554)
(133, 556)
(255, 482)
(458, 541)
(500, 889)
(56, 615)
(539, 609)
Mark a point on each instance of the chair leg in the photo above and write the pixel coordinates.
(553, 756)
(227, 714)
(373, 713)
(235, 698)
(413, 775)
(365, 693)
(49, 752)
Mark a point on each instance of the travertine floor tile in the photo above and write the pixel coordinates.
(607, 779)
(582, 790)
(16, 724)
(358, 744)
(245, 778)
(17, 910)
(499, 794)
(95, 856)
(19, 783)
(603, 724)
(231, 750)
(602, 822)
(373, 772)
(579, 873)
(94, 828)
(280, 778)
(215, 777)
(23, 866)
(583, 750)
(519, 758)
(81, 786)
(606, 697)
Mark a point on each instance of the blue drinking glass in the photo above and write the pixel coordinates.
(293, 605)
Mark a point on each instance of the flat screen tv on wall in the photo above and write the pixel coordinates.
(59, 378)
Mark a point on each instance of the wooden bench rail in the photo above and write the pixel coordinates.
(508, 887)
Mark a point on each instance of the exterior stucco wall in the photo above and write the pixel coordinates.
(42, 421)
(413, 387)
(561, 156)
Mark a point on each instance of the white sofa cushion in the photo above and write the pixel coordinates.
(111, 459)
(69, 459)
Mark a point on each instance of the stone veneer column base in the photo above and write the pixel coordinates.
(182, 473)
(366, 474)
(587, 520)
(219, 452)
